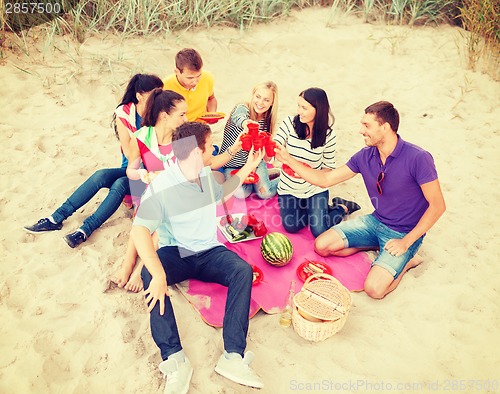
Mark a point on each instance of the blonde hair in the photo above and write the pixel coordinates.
(271, 116)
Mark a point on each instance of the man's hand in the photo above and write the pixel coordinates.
(254, 158)
(396, 247)
(156, 291)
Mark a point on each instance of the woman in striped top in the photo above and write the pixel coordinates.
(309, 137)
(261, 109)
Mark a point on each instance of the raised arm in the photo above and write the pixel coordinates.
(323, 178)
(233, 183)
(223, 158)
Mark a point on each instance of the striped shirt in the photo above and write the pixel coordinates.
(318, 158)
(232, 129)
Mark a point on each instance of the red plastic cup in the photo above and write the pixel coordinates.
(265, 136)
(253, 129)
(246, 142)
(258, 143)
(259, 229)
(269, 146)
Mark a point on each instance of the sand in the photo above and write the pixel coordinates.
(61, 332)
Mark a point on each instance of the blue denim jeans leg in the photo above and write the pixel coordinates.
(114, 179)
(264, 188)
(217, 265)
(296, 213)
(244, 191)
(368, 232)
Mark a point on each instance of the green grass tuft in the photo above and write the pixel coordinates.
(144, 17)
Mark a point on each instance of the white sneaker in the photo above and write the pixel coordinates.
(178, 375)
(238, 369)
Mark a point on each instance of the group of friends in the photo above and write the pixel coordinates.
(173, 175)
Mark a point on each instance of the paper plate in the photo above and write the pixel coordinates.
(288, 170)
(227, 235)
(258, 275)
(212, 117)
(251, 179)
(303, 270)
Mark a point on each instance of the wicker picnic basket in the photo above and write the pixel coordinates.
(323, 298)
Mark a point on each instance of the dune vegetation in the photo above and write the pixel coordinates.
(79, 18)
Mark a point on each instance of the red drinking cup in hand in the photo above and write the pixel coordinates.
(258, 143)
(265, 136)
(270, 145)
(253, 129)
(246, 142)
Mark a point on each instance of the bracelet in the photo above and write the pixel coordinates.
(229, 151)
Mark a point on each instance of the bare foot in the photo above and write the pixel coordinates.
(121, 277)
(135, 282)
(415, 261)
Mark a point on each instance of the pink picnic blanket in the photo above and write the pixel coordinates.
(209, 299)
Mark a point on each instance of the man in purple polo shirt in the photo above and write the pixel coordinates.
(403, 186)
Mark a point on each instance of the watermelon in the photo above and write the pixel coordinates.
(276, 249)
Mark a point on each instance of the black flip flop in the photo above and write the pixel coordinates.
(351, 205)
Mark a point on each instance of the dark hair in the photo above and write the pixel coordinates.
(384, 112)
(139, 83)
(159, 101)
(183, 145)
(323, 120)
(190, 58)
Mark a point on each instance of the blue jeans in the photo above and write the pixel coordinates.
(297, 213)
(368, 232)
(114, 179)
(217, 265)
(264, 188)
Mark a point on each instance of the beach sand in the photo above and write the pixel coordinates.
(61, 332)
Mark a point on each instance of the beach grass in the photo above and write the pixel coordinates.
(80, 18)
(481, 19)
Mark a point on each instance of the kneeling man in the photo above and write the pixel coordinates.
(403, 186)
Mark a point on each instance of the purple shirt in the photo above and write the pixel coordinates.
(402, 203)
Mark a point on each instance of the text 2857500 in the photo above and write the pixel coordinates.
(33, 7)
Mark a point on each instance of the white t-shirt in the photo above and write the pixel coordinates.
(182, 213)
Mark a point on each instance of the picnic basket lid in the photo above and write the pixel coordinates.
(323, 297)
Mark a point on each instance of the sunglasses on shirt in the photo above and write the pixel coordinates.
(380, 178)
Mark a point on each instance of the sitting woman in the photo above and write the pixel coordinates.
(152, 146)
(261, 110)
(129, 114)
(309, 137)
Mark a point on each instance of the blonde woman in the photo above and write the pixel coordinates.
(262, 109)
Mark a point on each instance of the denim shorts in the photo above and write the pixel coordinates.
(368, 232)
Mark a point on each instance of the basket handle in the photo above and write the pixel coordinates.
(319, 275)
